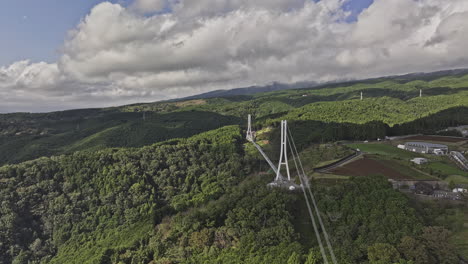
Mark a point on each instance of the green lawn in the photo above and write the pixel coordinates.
(329, 176)
(326, 162)
(385, 150)
(446, 169)
(457, 179)
(321, 155)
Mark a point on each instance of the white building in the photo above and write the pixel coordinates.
(460, 190)
(420, 161)
(426, 148)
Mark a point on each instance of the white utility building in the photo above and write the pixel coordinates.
(420, 161)
(426, 148)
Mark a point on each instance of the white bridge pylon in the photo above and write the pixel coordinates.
(283, 160)
(280, 180)
(249, 129)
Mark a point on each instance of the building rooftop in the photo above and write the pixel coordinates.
(426, 144)
(419, 159)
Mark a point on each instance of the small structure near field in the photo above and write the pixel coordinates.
(419, 161)
(426, 148)
(460, 190)
(447, 195)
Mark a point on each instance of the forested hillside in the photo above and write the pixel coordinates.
(390, 111)
(392, 101)
(28, 136)
(117, 216)
(88, 197)
(176, 182)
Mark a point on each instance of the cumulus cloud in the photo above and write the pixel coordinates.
(150, 6)
(119, 54)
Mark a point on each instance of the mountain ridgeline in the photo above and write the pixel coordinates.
(176, 182)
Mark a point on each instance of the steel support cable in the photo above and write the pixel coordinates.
(314, 224)
(273, 167)
(327, 239)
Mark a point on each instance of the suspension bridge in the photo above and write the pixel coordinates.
(280, 181)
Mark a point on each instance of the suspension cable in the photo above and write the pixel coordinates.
(327, 239)
(317, 234)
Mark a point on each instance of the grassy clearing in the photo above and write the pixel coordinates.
(385, 150)
(443, 168)
(446, 169)
(329, 176)
(457, 179)
(317, 156)
(325, 163)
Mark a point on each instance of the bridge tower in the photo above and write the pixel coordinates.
(420, 92)
(249, 129)
(283, 160)
(361, 96)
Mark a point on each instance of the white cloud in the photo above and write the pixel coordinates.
(30, 76)
(119, 55)
(149, 6)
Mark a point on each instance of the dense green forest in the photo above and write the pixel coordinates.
(389, 110)
(28, 136)
(130, 211)
(176, 182)
(51, 202)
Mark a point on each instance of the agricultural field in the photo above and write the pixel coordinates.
(376, 165)
(439, 166)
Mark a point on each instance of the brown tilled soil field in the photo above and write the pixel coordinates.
(366, 166)
(436, 138)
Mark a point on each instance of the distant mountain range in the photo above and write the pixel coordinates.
(276, 86)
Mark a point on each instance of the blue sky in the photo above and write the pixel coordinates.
(35, 30)
(356, 7)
